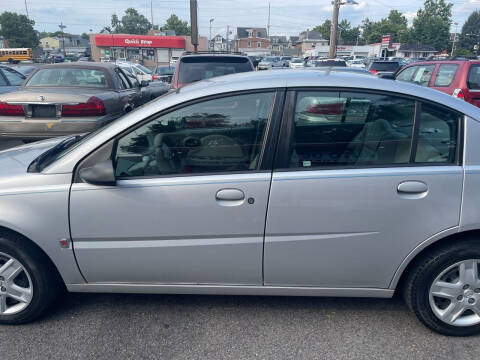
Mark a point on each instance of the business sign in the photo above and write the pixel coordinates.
(386, 41)
(140, 41)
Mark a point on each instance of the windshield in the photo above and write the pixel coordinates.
(166, 70)
(295, 61)
(72, 77)
(271, 59)
(384, 66)
(143, 68)
(197, 68)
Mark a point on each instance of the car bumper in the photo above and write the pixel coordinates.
(20, 127)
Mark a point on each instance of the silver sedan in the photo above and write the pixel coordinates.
(299, 183)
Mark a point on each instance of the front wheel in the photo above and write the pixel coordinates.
(28, 283)
(443, 290)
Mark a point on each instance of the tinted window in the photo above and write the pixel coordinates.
(407, 74)
(3, 82)
(197, 68)
(164, 70)
(76, 77)
(351, 129)
(437, 135)
(384, 66)
(124, 84)
(446, 74)
(221, 135)
(423, 75)
(473, 81)
(13, 77)
(331, 63)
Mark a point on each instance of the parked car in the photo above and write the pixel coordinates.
(68, 98)
(385, 67)
(297, 63)
(23, 69)
(310, 63)
(358, 63)
(194, 67)
(139, 71)
(10, 80)
(270, 62)
(331, 62)
(381, 198)
(459, 78)
(286, 60)
(163, 73)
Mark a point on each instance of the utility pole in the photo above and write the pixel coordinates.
(194, 24)
(268, 25)
(228, 34)
(454, 38)
(26, 8)
(334, 29)
(210, 38)
(151, 12)
(61, 26)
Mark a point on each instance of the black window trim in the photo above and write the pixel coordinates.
(282, 159)
(267, 153)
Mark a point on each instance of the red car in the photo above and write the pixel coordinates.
(459, 78)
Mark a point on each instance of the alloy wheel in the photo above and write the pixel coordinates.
(16, 288)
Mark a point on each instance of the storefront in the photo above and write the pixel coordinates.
(149, 50)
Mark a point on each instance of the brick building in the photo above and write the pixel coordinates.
(252, 41)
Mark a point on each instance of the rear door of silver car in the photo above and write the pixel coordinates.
(362, 178)
(190, 200)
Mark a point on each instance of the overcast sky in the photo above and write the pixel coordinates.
(288, 17)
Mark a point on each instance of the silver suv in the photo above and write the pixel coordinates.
(302, 183)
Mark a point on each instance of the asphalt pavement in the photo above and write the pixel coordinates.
(122, 326)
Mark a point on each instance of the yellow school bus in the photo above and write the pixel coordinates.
(14, 56)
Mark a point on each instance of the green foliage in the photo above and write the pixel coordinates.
(324, 29)
(346, 34)
(180, 27)
(18, 30)
(395, 24)
(432, 24)
(470, 34)
(85, 36)
(131, 23)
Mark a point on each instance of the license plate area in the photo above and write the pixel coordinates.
(44, 111)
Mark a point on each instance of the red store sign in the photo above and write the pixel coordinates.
(140, 41)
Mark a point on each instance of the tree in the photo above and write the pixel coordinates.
(174, 23)
(131, 23)
(432, 24)
(347, 34)
(18, 30)
(395, 24)
(470, 33)
(324, 29)
(85, 36)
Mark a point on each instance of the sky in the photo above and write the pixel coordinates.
(288, 17)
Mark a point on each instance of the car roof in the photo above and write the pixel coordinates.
(254, 80)
(431, 62)
(80, 64)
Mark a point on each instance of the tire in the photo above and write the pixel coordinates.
(38, 273)
(444, 265)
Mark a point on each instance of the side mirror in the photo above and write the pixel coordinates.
(99, 174)
(144, 83)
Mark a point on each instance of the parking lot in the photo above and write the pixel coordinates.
(111, 326)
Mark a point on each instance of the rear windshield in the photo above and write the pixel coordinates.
(144, 69)
(75, 77)
(197, 68)
(296, 61)
(473, 80)
(385, 66)
(164, 70)
(331, 63)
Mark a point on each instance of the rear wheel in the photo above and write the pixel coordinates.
(443, 289)
(28, 283)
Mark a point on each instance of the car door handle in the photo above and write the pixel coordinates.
(230, 197)
(412, 188)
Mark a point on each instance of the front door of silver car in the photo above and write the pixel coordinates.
(368, 177)
(190, 198)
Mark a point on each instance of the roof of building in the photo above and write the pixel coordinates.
(417, 48)
(312, 34)
(242, 32)
(275, 39)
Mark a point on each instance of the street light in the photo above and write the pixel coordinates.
(210, 41)
(333, 32)
(454, 38)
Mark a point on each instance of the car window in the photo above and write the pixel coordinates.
(407, 74)
(446, 74)
(473, 80)
(423, 75)
(384, 66)
(197, 68)
(3, 82)
(124, 84)
(221, 135)
(437, 135)
(143, 68)
(351, 129)
(71, 77)
(13, 77)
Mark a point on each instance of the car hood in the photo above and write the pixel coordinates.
(51, 95)
(16, 160)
